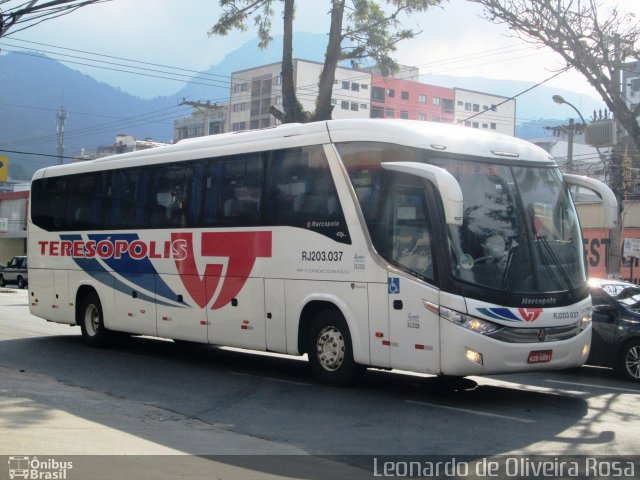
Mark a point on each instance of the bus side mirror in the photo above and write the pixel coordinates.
(445, 183)
(609, 202)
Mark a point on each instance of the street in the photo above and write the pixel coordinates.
(145, 396)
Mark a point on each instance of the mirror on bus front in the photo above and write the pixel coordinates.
(445, 183)
(609, 202)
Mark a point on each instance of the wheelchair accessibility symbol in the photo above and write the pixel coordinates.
(394, 285)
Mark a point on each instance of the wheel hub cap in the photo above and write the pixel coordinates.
(330, 348)
(632, 362)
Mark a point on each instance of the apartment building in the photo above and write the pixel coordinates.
(205, 119)
(364, 93)
(254, 91)
(485, 110)
(411, 100)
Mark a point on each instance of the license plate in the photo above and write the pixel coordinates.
(540, 356)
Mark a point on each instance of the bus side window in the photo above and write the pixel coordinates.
(285, 182)
(410, 231)
(81, 214)
(170, 195)
(242, 190)
(212, 193)
(49, 203)
(194, 204)
(122, 199)
(301, 191)
(142, 210)
(98, 201)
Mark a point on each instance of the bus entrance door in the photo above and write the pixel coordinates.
(415, 337)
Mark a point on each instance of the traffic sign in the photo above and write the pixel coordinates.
(4, 169)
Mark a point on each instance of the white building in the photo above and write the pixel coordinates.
(256, 90)
(205, 119)
(631, 84)
(485, 111)
(585, 159)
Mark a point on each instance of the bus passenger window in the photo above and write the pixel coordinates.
(301, 193)
(49, 197)
(170, 196)
(241, 190)
(122, 199)
(410, 233)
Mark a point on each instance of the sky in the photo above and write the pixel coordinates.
(455, 40)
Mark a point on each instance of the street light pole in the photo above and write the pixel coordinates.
(559, 99)
(613, 262)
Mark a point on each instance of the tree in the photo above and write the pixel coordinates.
(14, 13)
(359, 30)
(593, 40)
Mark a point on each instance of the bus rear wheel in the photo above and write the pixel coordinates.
(330, 350)
(92, 321)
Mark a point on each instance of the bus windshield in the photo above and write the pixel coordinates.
(520, 230)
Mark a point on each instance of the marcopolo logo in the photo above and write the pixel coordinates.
(38, 469)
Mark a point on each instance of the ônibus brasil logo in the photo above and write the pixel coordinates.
(128, 255)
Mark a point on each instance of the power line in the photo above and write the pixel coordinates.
(303, 95)
(564, 70)
(36, 154)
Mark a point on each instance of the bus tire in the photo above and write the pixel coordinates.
(92, 321)
(330, 350)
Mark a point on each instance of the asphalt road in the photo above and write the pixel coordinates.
(263, 416)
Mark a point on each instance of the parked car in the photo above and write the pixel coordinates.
(616, 326)
(15, 272)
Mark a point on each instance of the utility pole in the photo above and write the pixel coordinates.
(616, 236)
(61, 118)
(571, 130)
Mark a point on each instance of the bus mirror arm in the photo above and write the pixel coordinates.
(609, 202)
(443, 181)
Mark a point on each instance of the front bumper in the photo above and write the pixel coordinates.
(504, 357)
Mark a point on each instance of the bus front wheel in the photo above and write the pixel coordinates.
(330, 350)
(92, 321)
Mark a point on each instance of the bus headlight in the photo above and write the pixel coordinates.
(585, 320)
(474, 324)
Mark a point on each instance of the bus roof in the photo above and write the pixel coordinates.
(428, 135)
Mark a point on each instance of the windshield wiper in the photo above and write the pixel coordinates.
(506, 274)
(542, 240)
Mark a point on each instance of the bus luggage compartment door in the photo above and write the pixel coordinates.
(238, 321)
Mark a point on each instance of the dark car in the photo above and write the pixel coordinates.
(15, 272)
(616, 326)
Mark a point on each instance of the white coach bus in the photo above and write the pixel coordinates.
(363, 243)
